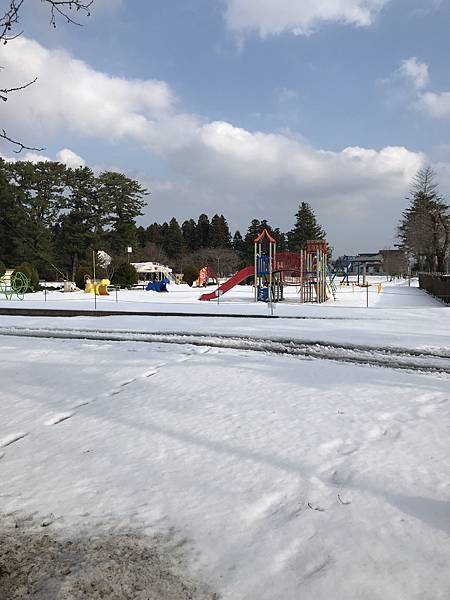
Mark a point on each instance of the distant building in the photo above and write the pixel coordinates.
(384, 262)
(372, 260)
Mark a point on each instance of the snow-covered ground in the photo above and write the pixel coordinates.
(290, 477)
(400, 316)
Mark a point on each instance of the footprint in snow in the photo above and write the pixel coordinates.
(59, 418)
(150, 373)
(11, 439)
(347, 449)
(127, 382)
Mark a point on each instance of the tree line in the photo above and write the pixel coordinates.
(53, 217)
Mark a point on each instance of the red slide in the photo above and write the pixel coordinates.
(240, 276)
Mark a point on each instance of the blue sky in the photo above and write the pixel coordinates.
(247, 107)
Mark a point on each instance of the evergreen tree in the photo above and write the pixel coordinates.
(190, 236)
(306, 228)
(125, 198)
(424, 230)
(253, 231)
(173, 240)
(203, 227)
(39, 192)
(11, 221)
(219, 233)
(281, 240)
(238, 244)
(155, 234)
(83, 221)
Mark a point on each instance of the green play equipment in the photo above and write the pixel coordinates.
(14, 284)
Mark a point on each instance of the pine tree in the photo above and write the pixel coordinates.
(39, 195)
(219, 233)
(190, 237)
(173, 241)
(203, 227)
(306, 228)
(281, 240)
(238, 244)
(11, 222)
(424, 230)
(82, 222)
(253, 231)
(125, 198)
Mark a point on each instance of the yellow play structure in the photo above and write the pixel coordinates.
(98, 287)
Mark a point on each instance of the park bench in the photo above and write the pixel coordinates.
(14, 284)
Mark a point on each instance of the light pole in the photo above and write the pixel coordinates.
(218, 282)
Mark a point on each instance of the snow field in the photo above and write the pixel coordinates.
(289, 477)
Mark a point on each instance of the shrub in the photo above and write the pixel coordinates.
(80, 273)
(190, 274)
(2, 268)
(124, 275)
(31, 272)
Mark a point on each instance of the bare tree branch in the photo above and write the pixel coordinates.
(9, 19)
(4, 136)
(8, 23)
(62, 6)
(16, 89)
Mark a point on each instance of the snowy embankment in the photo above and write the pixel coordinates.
(274, 474)
(400, 317)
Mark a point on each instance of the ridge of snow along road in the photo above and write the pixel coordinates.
(394, 358)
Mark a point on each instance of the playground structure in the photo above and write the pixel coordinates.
(154, 272)
(361, 269)
(14, 284)
(99, 288)
(272, 271)
(158, 285)
(205, 275)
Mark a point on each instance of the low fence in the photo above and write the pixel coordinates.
(436, 284)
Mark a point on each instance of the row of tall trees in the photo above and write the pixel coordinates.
(51, 215)
(209, 241)
(424, 229)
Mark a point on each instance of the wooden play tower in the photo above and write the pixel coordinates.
(307, 270)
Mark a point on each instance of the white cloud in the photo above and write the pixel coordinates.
(214, 166)
(415, 71)
(65, 156)
(72, 95)
(301, 17)
(435, 104)
(70, 159)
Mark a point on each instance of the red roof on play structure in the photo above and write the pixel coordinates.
(263, 234)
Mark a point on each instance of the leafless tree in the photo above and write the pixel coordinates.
(222, 260)
(10, 30)
(395, 262)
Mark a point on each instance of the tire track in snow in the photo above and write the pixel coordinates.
(389, 357)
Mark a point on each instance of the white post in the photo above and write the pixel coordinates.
(270, 274)
(95, 283)
(256, 273)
